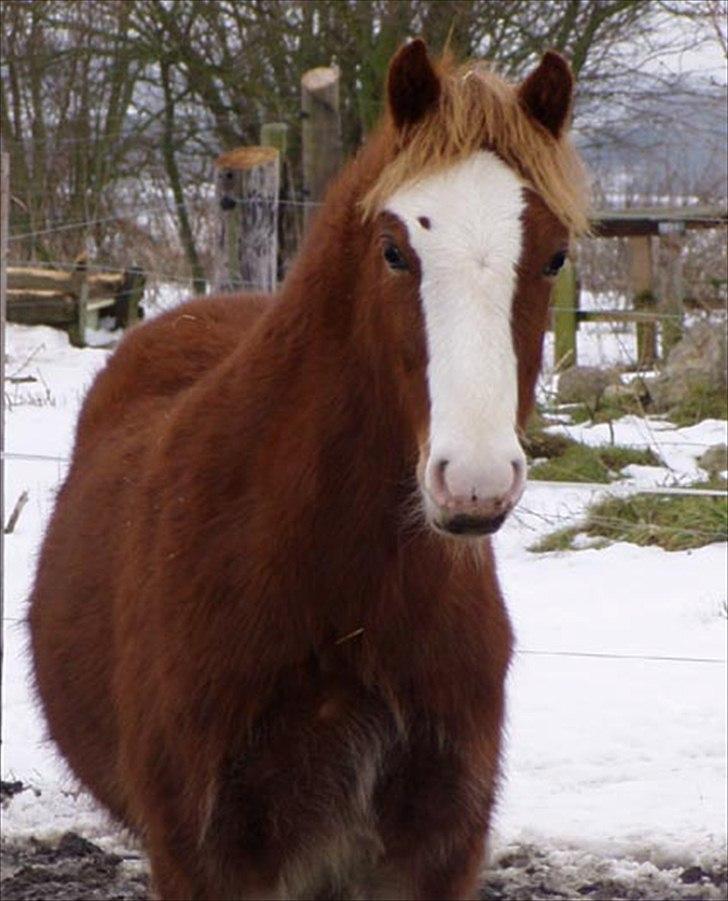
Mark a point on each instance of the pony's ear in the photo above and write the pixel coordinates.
(547, 93)
(413, 85)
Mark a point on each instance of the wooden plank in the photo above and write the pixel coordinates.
(29, 279)
(18, 294)
(247, 184)
(646, 220)
(109, 282)
(565, 302)
(321, 144)
(50, 309)
(100, 284)
(100, 303)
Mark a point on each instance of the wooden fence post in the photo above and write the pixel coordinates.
(247, 184)
(275, 134)
(79, 287)
(320, 133)
(4, 216)
(565, 301)
(127, 305)
(672, 300)
(643, 298)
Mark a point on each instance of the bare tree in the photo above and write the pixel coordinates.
(113, 118)
(67, 92)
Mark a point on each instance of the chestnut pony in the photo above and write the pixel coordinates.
(257, 638)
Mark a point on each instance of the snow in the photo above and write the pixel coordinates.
(678, 448)
(599, 341)
(621, 755)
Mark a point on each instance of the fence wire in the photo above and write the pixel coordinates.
(159, 208)
(655, 439)
(528, 652)
(166, 276)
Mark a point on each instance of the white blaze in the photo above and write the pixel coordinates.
(468, 258)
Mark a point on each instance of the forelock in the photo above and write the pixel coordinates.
(479, 110)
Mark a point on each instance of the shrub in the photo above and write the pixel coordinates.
(702, 402)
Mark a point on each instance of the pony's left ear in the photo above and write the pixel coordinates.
(413, 85)
(547, 93)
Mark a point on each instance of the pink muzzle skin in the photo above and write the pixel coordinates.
(467, 501)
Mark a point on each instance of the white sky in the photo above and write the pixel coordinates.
(706, 58)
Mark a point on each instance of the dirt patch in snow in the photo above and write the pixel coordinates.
(74, 869)
(529, 873)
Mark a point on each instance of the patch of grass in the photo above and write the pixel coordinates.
(542, 444)
(560, 540)
(607, 410)
(673, 522)
(579, 463)
(702, 402)
(561, 459)
(616, 457)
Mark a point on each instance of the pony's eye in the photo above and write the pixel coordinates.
(556, 262)
(394, 258)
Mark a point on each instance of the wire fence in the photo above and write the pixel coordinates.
(167, 208)
(16, 621)
(614, 489)
(115, 267)
(188, 279)
(654, 438)
(61, 264)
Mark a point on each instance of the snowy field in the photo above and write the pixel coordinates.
(616, 746)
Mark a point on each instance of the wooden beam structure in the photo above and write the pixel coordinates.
(635, 221)
(70, 298)
(641, 226)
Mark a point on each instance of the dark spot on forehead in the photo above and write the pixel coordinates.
(424, 222)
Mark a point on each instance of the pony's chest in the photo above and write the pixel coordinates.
(347, 766)
(306, 794)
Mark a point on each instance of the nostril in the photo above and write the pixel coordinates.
(439, 484)
(519, 480)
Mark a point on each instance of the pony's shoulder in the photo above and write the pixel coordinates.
(169, 353)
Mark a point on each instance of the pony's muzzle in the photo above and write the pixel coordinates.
(464, 499)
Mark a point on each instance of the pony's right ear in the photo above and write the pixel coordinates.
(413, 85)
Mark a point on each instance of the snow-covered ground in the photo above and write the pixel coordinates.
(617, 699)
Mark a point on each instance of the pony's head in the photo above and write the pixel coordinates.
(471, 217)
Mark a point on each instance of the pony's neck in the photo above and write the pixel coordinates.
(329, 373)
(334, 246)
(340, 349)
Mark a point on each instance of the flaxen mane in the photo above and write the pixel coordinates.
(476, 109)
